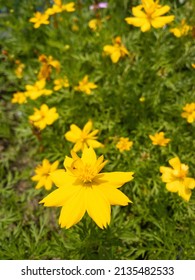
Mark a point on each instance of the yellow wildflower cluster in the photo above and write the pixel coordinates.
(58, 7)
(182, 29)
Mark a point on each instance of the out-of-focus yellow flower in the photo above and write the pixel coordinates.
(39, 19)
(43, 117)
(82, 188)
(19, 97)
(193, 65)
(43, 174)
(116, 51)
(182, 30)
(159, 139)
(19, 69)
(142, 99)
(47, 62)
(176, 178)
(59, 7)
(36, 90)
(189, 112)
(83, 138)
(85, 86)
(94, 24)
(124, 144)
(60, 83)
(149, 13)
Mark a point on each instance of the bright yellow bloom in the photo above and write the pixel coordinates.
(124, 144)
(39, 19)
(83, 138)
(148, 14)
(47, 62)
(94, 24)
(176, 178)
(58, 7)
(116, 51)
(182, 30)
(19, 97)
(43, 117)
(60, 83)
(36, 90)
(43, 174)
(85, 85)
(159, 139)
(82, 188)
(19, 69)
(189, 113)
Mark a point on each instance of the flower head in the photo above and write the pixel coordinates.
(189, 112)
(47, 63)
(182, 30)
(59, 7)
(19, 69)
(124, 144)
(39, 19)
(83, 138)
(148, 14)
(43, 117)
(176, 178)
(60, 83)
(193, 65)
(82, 188)
(43, 174)
(19, 97)
(116, 51)
(85, 86)
(94, 24)
(36, 90)
(159, 139)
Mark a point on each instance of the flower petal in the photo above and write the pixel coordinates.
(89, 156)
(175, 163)
(115, 179)
(161, 11)
(98, 207)
(161, 21)
(61, 178)
(174, 186)
(114, 196)
(74, 209)
(88, 126)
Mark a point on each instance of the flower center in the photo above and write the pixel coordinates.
(182, 172)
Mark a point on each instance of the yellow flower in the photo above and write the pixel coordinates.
(19, 97)
(176, 178)
(116, 51)
(43, 117)
(60, 83)
(182, 30)
(46, 66)
(19, 69)
(58, 7)
(85, 86)
(83, 138)
(36, 90)
(193, 65)
(148, 14)
(43, 174)
(159, 139)
(94, 24)
(82, 188)
(124, 144)
(39, 19)
(189, 113)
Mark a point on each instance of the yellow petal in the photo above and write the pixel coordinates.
(98, 207)
(61, 178)
(138, 22)
(185, 193)
(115, 179)
(71, 136)
(48, 183)
(161, 21)
(88, 126)
(136, 11)
(94, 143)
(174, 186)
(189, 183)
(68, 162)
(161, 11)
(89, 156)
(114, 196)
(74, 209)
(175, 163)
(60, 196)
(54, 166)
(115, 56)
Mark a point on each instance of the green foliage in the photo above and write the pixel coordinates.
(158, 224)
